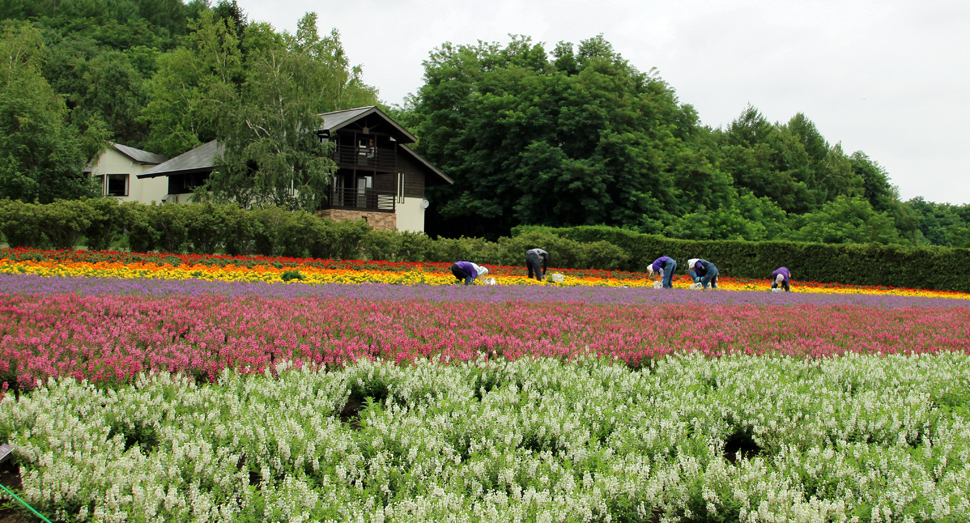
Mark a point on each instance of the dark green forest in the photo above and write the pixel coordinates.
(563, 136)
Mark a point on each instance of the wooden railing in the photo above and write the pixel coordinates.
(368, 157)
(362, 200)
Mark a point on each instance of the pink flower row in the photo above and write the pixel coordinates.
(111, 338)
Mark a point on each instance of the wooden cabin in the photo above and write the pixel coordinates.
(378, 179)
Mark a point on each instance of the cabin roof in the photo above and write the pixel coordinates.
(200, 159)
(337, 120)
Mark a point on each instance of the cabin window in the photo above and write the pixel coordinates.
(400, 187)
(116, 185)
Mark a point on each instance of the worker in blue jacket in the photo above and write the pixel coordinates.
(703, 272)
(781, 277)
(665, 267)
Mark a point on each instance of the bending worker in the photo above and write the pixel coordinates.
(532, 258)
(703, 272)
(468, 271)
(665, 267)
(781, 278)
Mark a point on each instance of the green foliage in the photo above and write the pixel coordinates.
(341, 240)
(529, 143)
(259, 92)
(748, 218)
(940, 223)
(292, 275)
(382, 245)
(191, 85)
(19, 224)
(272, 231)
(846, 220)
(105, 223)
(859, 264)
(41, 156)
(65, 221)
(142, 235)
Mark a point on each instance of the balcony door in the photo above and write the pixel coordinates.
(364, 183)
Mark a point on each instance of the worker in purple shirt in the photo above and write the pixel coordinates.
(665, 267)
(467, 271)
(703, 272)
(781, 278)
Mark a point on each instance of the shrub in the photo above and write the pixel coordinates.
(105, 225)
(271, 231)
(137, 219)
(382, 245)
(20, 224)
(209, 226)
(415, 246)
(64, 221)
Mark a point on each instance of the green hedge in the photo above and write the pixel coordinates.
(860, 264)
(207, 228)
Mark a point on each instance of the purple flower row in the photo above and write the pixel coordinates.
(28, 284)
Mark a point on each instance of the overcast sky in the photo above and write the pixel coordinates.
(890, 78)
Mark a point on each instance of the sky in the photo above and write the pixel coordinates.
(889, 78)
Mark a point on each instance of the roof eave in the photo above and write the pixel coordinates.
(372, 110)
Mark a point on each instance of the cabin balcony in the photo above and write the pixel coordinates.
(371, 158)
(358, 199)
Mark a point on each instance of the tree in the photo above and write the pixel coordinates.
(268, 124)
(42, 157)
(115, 93)
(583, 139)
(846, 220)
(747, 218)
(941, 223)
(192, 86)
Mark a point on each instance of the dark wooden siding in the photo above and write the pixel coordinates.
(413, 175)
(385, 182)
(414, 185)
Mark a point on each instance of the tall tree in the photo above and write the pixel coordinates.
(42, 156)
(846, 220)
(581, 139)
(268, 124)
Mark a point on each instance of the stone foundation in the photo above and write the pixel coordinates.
(380, 221)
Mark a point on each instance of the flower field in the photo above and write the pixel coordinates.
(270, 270)
(194, 388)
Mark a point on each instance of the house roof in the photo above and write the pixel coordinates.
(336, 120)
(200, 159)
(428, 164)
(140, 156)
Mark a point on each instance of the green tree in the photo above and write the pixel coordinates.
(42, 157)
(941, 223)
(268, 125)
(582, 139)
(192, 86)
(846, 220)
(747, 218)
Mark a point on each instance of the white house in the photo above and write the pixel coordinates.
(117, 170)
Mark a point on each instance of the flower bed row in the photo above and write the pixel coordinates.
(252, 269)
(110, 338)
(748, 439)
